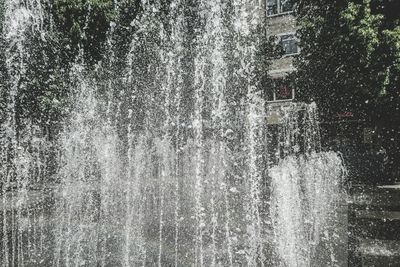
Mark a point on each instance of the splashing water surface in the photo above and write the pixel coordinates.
(164, 158)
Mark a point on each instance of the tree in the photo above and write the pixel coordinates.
(350, 61)
(83, 23)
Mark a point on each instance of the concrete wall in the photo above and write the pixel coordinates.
(278, 25)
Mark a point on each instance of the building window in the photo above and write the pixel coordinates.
(272, 7)
(286, 6)
(289, 44)
(275, 7)
(282, 91)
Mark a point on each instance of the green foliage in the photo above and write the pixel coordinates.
(363, 25)
(350, 56)
(42, 98)
(84, 24)
(44, 92)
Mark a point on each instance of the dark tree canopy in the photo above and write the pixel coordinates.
(350, 56)
(349, 65)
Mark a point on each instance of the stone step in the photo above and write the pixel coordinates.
(374, 226)
(385, 197)
(377, 229)
(375, 212)
(374, 252)
(380, 261)
(384, 215)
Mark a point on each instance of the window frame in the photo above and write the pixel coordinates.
(279, 40)
(274, 93)
(278, 8)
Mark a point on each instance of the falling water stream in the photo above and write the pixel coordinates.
(163, 158)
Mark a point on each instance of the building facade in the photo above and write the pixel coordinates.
(281, 23)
